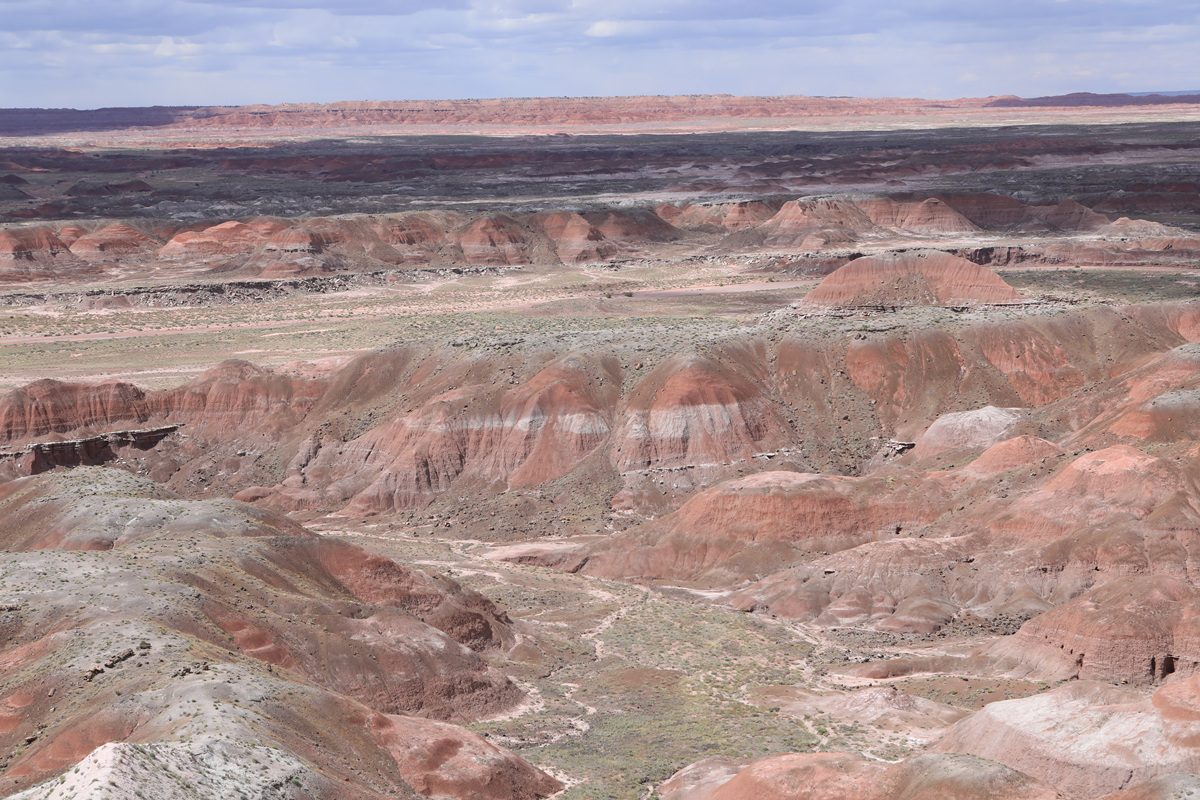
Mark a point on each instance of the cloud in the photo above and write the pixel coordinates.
(142, 52)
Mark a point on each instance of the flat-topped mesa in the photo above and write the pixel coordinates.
(920, 278)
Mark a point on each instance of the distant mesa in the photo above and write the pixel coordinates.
(532, 112)
(92, 189)
(1076, 99)
(921, 278)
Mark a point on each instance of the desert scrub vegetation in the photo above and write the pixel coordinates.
(1119, 284)
(654, 684)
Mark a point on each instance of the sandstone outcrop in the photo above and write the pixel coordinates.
(1143, 629)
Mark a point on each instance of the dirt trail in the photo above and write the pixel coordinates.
(594, 634)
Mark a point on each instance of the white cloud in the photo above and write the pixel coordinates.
(605, 27)
(86, 53)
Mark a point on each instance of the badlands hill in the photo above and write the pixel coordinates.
(397, 246)
(155, 616)
(927, 278)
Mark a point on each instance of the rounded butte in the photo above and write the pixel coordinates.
(920, 278)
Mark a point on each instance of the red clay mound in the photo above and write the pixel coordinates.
(576, 240)
(469, 618)
(1011, 454)
(319, 245)
(1109, 498)
(1000, 212)
(633, 226)
(220, 241)
(237, 396)
(38, 254)
(468, 427)
(114, 242)
(418, 236)
(186, 730)
(440, 760)
(1138, 630)
(749, 527)
(1068, 216)
(923, 278)
(718, 216)
(255, 596)
(833, 218)
(691, 411)
(684, 424)
(929, 216)
(498, 239)
(49, 406)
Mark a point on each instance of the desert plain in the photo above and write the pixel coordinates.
(688, 448)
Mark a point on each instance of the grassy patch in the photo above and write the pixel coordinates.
(1116, 284)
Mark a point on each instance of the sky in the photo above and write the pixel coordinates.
(94, 53)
